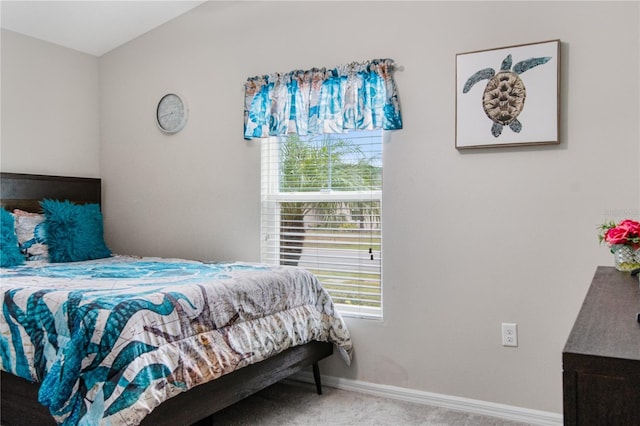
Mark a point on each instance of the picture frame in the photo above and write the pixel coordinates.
(508, 96)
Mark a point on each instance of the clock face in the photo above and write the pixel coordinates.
(171, 113)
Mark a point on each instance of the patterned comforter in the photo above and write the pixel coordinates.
(111, 339)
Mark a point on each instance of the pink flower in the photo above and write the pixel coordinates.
(617, 235)
(627, 233)
(631, 226)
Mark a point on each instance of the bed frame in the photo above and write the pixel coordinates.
(19, 398)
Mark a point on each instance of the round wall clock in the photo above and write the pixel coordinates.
(171, 113)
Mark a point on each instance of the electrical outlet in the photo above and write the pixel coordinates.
(509, 334)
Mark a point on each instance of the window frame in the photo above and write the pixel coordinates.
(271, 196)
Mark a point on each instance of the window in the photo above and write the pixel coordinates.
(321, 210)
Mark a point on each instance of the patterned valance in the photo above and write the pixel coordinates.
(357, 96)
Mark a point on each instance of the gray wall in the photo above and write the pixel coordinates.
(472, 239)
(50, 116)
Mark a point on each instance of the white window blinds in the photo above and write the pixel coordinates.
(321, 210)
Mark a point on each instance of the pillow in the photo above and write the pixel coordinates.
(74, 231)
(31, 235)
(10, 251)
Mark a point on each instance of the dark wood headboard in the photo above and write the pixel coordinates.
(25, 191)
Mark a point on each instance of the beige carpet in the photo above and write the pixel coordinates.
(295, 403)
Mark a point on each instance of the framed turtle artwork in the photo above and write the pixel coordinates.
(508, 96)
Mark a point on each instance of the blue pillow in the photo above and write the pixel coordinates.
(74, 231)
(10, 250)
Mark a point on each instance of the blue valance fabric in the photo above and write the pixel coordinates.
(357, 96)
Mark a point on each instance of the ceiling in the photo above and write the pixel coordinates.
(93, 27)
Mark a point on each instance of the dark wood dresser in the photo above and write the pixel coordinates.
(601, 359)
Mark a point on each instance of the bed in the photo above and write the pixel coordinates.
(129, 340)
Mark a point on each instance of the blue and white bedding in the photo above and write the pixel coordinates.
(111, 339)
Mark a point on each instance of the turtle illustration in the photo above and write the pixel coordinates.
(503, 98)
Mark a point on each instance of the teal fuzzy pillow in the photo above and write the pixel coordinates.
(10, 250)
(74, 231)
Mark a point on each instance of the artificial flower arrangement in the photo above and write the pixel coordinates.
(624, 241)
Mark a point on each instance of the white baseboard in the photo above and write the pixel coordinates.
(502, 411)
